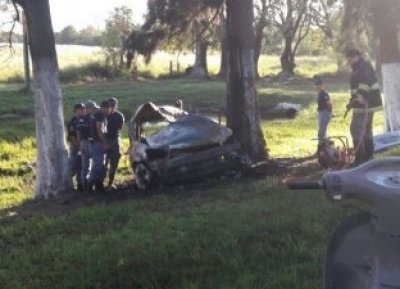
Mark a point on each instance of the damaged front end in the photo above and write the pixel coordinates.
(181, 146)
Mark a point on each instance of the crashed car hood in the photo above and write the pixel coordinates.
(149, 112)
(189, 132)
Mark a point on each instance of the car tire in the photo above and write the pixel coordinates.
(143, 176)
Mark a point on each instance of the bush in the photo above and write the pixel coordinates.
(89, 71)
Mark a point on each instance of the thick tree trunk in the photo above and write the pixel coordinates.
(386, 21)
(287, 58)
(243, 115)
(391, 91)
(259, 36)
(199, 69)
(52, 166)
(223, 68)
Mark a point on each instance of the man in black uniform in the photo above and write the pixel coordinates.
(83, 128)
(75, 161)
(365, 100)
(115, 122)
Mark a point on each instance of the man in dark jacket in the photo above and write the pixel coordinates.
(365, 100)
(75, 161)
(115, 122)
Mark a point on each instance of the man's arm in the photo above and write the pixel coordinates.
(121, 122)
(100, 131)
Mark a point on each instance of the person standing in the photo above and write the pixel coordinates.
(83, 128)
(75, 160)
(324, 111)
(115, 122)
(365, 100)
(98, 144)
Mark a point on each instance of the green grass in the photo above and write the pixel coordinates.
(236, 234)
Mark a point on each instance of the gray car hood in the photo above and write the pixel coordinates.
(190, 131)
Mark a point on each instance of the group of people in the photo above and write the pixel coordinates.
(365, 101)
(94, 138)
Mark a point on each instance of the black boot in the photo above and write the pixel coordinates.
(359, 153)
(99, 187)
(88, 187)
(368, 149)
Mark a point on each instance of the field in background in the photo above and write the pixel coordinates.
(241, 233)
(85, 63)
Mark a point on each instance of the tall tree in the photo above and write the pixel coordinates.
(243, 115)
(357, 29)
(386, 20)
(262, 8)
(293, 20)
(118, 27)
(166, 19)
(52, 175)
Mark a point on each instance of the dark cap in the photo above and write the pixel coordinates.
(91, 104)
(353, 53)
(79, 106)
(113, 102)
(105, 104)
(317, 80)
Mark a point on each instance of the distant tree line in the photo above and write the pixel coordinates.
(90, 36)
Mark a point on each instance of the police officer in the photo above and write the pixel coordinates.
(365, 100)
(83, 128)
(98, 144)
(115, 122)
(75, 161)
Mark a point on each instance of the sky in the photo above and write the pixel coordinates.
(82, 13)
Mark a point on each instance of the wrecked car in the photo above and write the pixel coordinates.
(169, 145)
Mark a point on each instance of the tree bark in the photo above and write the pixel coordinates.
(52, 175)
(287, 58)
(243, 115)
(386, 22)
(199, 69)
(259, 34)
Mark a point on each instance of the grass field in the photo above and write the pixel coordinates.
(85, 63)
(245, 233)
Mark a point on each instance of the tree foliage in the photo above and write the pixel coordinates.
(118, 26)
(166, 20)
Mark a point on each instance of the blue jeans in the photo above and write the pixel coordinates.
(97, 170)
(85, 157)
(113, 155)
(324, 117)
(75, 164)
(362, 135)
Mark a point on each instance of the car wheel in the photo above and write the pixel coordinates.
(144, 176)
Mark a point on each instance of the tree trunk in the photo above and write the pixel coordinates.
(199, 69)
(386, 21)
(52, 175)
(27, 69)
(391, 91)
(259, 36)
(243, 115)
(287, 58)
(257, 52)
